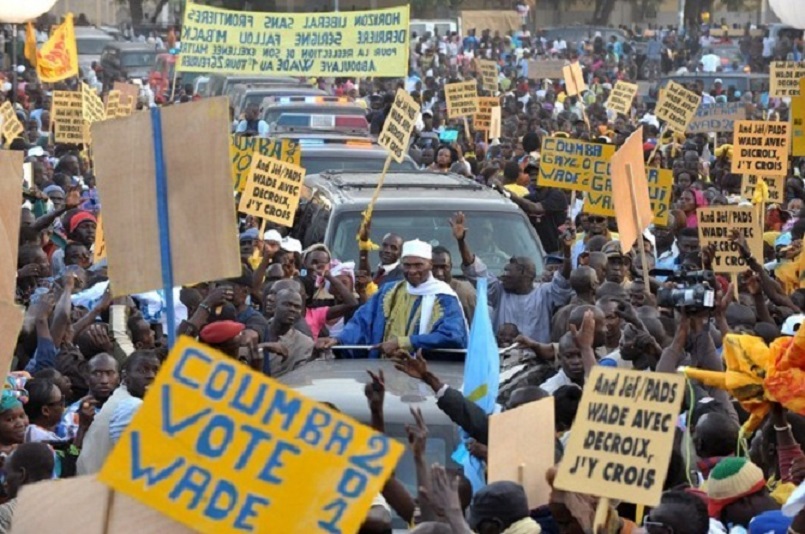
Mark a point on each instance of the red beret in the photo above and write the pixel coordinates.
(221, 331)
(79, 217)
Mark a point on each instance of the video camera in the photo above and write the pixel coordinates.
(694, 290)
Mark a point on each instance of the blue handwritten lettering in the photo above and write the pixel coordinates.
(274, 462)
(195, 488)
(226, 371)
(280, 404)
(186, 356)
(171, 427)
(316, 420)
(205, 445)
(247, 512)
(151, 476)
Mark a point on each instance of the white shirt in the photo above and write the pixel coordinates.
(710, 62)
(768, 46)
(555, 382)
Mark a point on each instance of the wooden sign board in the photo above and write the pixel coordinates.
(12, 127)
(784, 77)
(621, 97)
(520, 450)
(272, 190)
(91, 105)
(623, 435)
(256, 443)
(630, 194)
(715, 226)
(462, 99)
(67, 117)
(719, 117)
(761, 148)
(203, 232)
(243, 148)
(677, 107)
(11, 171)
(575, 165)
(113, 104)
(398, 126)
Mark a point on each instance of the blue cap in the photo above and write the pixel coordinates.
(249, 235)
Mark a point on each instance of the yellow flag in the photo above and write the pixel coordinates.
(761, 192)
(30, 44)
(58, 58)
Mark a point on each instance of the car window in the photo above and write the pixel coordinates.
(91, 47)
(494, 236)
(138, 59)
(273, 114)
(316, 163)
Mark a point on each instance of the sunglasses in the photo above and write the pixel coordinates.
(656, 527)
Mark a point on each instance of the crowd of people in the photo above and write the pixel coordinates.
(84, 360)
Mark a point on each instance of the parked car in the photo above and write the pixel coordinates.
(244, 94)
(415, 205)
(222, 84)
(90, 43)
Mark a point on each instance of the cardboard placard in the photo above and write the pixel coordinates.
(775, 184)
(621, 97)
(11, 318)
(574, 79)
(11, 171)
(242, 148)
(398, 126)
(546, 69)
(715, 226)
(517, 438)
(367, 44)
(784, 77)
(798, 121)
(575, 165)
(91, 105)
(631, 201)
(66, 117)
(677, 107)
(718, 117)
(272, 190)
(623, 435)
(89, 510)
(130, 90)
(488, 74)
(761, 147)
(482, 119)
(462, 99)
(203, 232)
(12, 127)
(256, 444)
(660, 191)
(113, 104)
(495, 123)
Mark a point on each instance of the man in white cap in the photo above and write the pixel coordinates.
(419, 312)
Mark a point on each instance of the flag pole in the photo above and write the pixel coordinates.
(13, 63)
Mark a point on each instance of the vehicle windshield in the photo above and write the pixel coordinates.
(91, 47)
(494, 236)
(273, 114)
(315, 164)
(138, 59)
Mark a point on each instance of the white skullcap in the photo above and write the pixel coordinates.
(272, 235)
(417, 248)
(291, 245)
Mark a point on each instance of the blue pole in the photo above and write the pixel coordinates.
(163, 219)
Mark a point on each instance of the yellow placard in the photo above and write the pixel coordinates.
(621, 96)
(127, 105)
(57, 59)
(660, 190)
(623, 436)
(575, 165)
(91, 105)
(399, 125)
(66, 117)
(462, 99)
(357, 43)
(482, 119)
(784, 77)
(12, 127)
(222, 448)
(719, 117)
(495, 123)
(715, 226)
(99, 248)
(574, 79)
(798, 122)
(243, 148)
(775, 184)
(488, 71)
(545, 68)
(113, 104)
(760, 147)
(677, 106)
(272, 190)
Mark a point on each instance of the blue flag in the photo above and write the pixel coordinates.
(481, 378)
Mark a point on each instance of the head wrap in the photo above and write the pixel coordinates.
(14, 394)
(53, 188)
(80, 217)
(732, 479)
